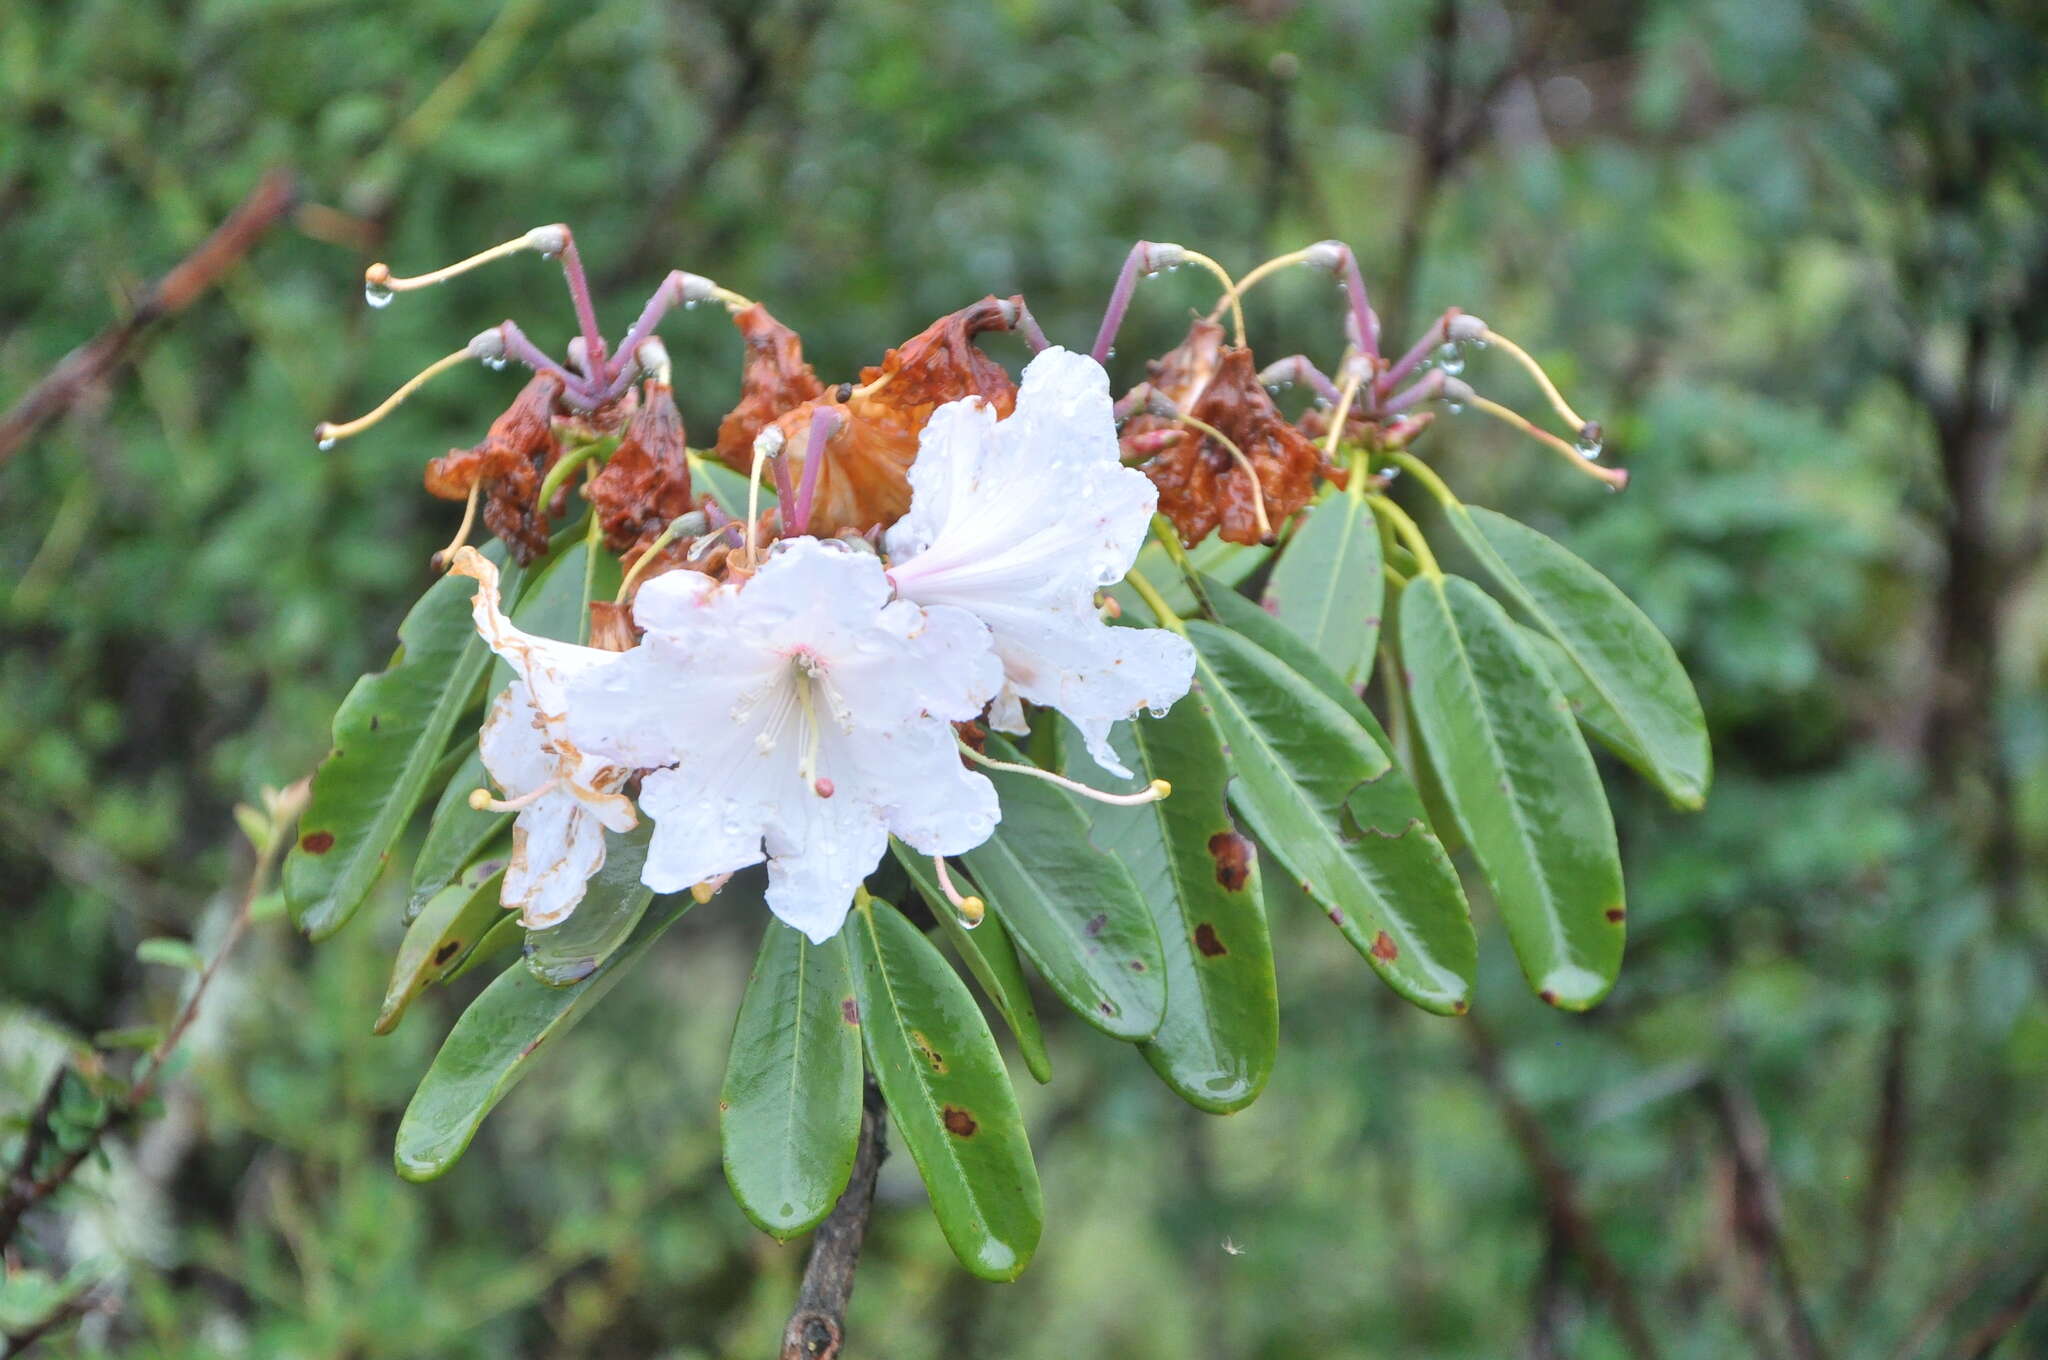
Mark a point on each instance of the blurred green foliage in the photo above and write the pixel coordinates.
(1795, 256)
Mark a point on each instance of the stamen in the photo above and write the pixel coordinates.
(1521, 356)
(970, 910)
(1152, 793)
(767, 445)
(481, 799)
(1353, 375)
(548, 240)
(1244, 463)
(1245, 284)
(807, 767)
(1229, 290)
(1615, 478)
(326, 433)
(661, 540)
(443, 558)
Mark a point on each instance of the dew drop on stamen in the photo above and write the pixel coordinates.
(325, 445)
(496, 363)
(377, 295)
(1590, 447)
(1450, 358)
(1454, 406)
(690, 304)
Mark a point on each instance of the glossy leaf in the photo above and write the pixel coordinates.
(789, 1113)
(1624, 660)
(613, 902)
(451, 924)
(1521, 783)
(493, 1045)
(1329, 584)
(947, 1091)
(388, 736)
(1241, 616)
(1073, 910)
(1216, 558)
(989, 955)
(1329, 803)
(457, 833)
(1221, 1031)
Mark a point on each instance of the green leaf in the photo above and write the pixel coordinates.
(1221, 1031)
(456, 835)
(388, 736)
(170, 953)
(727, 487)
(948, 1093)
(452, 922)
(1214, 557)
(990, 956)
(1521, 783)
(1641, 688)
(613, 902)
(1329, 584)
(1265, 632)
(789, 1114)
(1329, 803)
(493, 1045)
(507, 934)
(1073, 910)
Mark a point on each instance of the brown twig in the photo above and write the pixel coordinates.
(1561, 1202)
(817, 1326)
(92, 363)
(73, 1308)
(25, 1189)
(1979, 1345)
(1756, 1195)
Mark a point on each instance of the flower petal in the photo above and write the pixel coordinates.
(557, 844)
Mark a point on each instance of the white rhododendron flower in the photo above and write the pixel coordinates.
(1019, 522)
(801, 718)
(566, 799)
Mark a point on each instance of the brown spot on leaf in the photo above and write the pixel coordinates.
(1233, 856)
(849, 1009)
(1337, 915)
(375, 723)
(1137, 965)
(1384, 948)
(1206, 941)
(724, 1105)
(448, 950)
(931, 1055)
(1549, 997)
(959, 1123)
(1095, 925)
(1616, 914)
(317, 842)
(1460, 1007)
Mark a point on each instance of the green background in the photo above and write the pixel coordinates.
(1794, 256)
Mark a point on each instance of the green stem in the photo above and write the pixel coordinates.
(1425, 474)
(567, 464)
(1147, 592)
(1410, 534)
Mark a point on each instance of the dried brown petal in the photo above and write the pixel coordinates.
(774, 380)
(511, 463)
(864, 481)
(1201, 486)
(611, 626)
(647, 481)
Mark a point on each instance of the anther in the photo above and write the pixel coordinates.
(971, 910)
(481, 799)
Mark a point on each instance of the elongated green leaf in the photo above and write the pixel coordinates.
(613, 902)
(1241, 616)
(1073, 910)
(1215, 557)
(1625, 661)
(1596, 716)
(1330, 804)
(1216, 1044)
(1329, 583)
(388, 736)
(1521, 783)
(456, 835)
(451, 923)
(950, 1098)
(502, 937)
(493, 1045)
(789, 1114)
(990, 956)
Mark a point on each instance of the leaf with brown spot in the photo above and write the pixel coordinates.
(989, 956)
(984, 1188)
(1207, 941)
(1233, 856)
(450, 923)
(317, 842)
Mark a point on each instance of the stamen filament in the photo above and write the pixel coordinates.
(767, 445)
(1152, 793)
(1615, 478)
(1244, 464)
(1244, 285)
(968, 908)
(379, 275)
(661, 540)
(442, 558)
(1522, 357)
(481, 799)
(1229, 290)
(326, 432)
(1341, 413)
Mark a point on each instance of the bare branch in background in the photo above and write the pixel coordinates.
(92, 363)
(817, 1327)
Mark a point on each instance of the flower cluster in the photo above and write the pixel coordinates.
(801, 710)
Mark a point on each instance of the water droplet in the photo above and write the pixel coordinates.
(1156, 710)
(326, 445)
(1151, 273)
(1450, 359)
(690, 304)
(1389, 472)
(966, 924)
(1111, 354)
(1454, 406)
(496, 363)
(1590, 447)
(377, 295)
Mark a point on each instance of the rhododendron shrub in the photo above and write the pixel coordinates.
(954, 676)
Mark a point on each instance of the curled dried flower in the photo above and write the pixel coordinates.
(510, 463)
(647, 481)
(775, 379)
(1201, 485)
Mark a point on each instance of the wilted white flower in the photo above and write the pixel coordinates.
(801, 718)
(566, 799)
(1019, 522)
